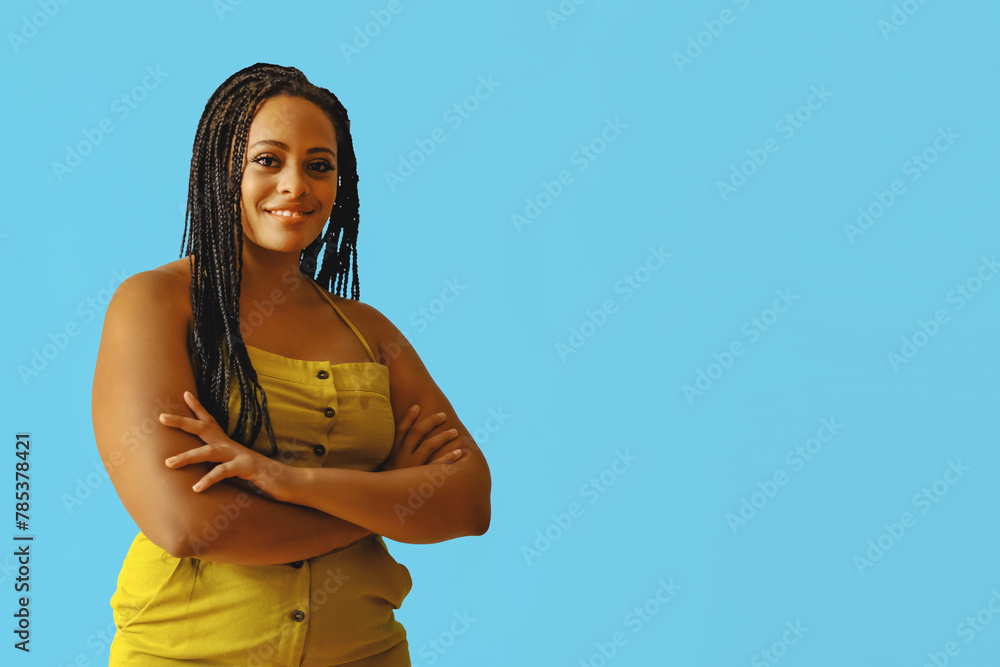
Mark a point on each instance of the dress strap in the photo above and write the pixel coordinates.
(357, 333)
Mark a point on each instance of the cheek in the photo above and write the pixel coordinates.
(329, 194)
(250, 189)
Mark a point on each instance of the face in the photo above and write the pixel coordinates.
(289, 174)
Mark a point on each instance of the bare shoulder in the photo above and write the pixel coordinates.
(146, 331)
(165, 289)
(363, 315)
(173, 276)
(359, 310)
(373, 325)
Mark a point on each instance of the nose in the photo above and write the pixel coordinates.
(293, 181)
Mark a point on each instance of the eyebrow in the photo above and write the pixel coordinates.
(282, 146)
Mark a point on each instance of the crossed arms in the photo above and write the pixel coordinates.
(143, 370)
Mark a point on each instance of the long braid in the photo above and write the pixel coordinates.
(336, 267)
(215, 243)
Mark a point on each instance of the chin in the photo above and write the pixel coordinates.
(280, 242)
(287, 246)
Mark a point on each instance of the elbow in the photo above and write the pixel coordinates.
(183, 545)
(176, 540)
(480, 507)
(479, 521)
(481, 525)
(188, 543)
(178, 548)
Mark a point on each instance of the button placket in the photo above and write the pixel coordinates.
(298, 609)
(329, 411)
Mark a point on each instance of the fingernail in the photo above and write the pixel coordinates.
(453, 431)
(414, 407)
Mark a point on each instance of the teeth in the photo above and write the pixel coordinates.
(289, 214)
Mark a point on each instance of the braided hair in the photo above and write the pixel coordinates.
(215, 244)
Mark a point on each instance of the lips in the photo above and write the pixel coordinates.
(289, 212)
(289, 216)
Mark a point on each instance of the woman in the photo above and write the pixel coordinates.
(252, 433)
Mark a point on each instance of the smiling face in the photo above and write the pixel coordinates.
(289, 174)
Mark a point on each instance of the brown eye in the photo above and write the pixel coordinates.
(262, 159)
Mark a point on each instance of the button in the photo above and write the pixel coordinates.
(329, 412)
(298, 615)
(319, 450)
(322, 375)
(297, 564)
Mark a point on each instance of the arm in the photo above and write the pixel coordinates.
(142, 370)
(424, 504)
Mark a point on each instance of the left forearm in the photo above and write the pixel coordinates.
(418, 505)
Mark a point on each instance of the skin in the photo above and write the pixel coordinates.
(143, 417)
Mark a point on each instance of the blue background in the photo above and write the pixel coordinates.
(545, 587)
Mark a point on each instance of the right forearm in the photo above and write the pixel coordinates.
(230, 525)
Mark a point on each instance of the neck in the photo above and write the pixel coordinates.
(265, 271)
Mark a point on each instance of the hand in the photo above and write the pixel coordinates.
(235, 460)
(411, 446)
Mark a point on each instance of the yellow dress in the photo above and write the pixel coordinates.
(334, 609)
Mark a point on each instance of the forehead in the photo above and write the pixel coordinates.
(292, 120)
